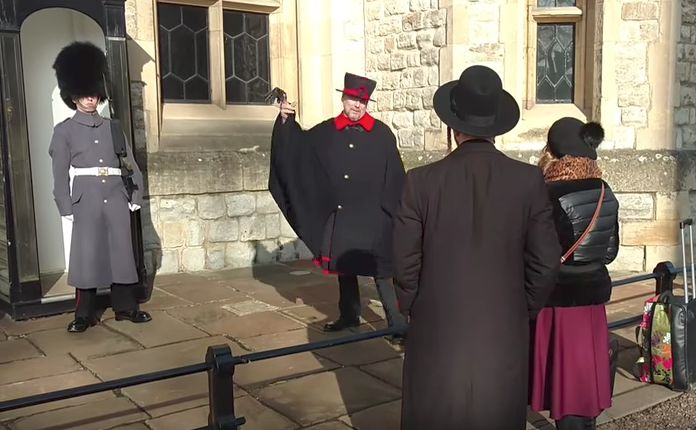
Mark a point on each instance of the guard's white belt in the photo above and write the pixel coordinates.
(97, 171)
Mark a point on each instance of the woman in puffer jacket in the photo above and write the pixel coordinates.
(570, 374)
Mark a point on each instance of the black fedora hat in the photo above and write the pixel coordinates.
(358, 86)
(477, 104)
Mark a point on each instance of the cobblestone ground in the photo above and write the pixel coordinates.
(678, 413)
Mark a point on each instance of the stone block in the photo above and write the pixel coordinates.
(252, 228)
(215, 256)
(414, 21)
(211, 206)
(690, 52)
(170, 262)
(266, 251)
(240, 254)
(375, 45)
(440, 37)
(303, 252)
(420, 77)
(424, 38)
(193, 259)
(624, 138)
(195, 233)
(672, 206)
(435, 140)
(286, 249)
(629, 259)
(255, 170)
(406, 40)
(421, 118)
(427, 97)
(682, 116)
(687, 96)
(173, 234)
(639, 11)
(419, 5)
(226, 230)
(414, 100)
(659, 232)
(435, 18)
(398, 61)
(176, 209)
(390, 43)
(693, 73)
(374, 11)
(657, 254)
(240, 204)
(265, 203)
(434, 120)
(411, 138)
(383, 100)
(402, 120)
(640, 31)
(406, 79)
(206, 172)
(434, 76)
(635, 206)
(285, 229)
(396, 7)
(634, 116)
(430, 56)
(413, 59)
(390, 81)
(272, 226)
(634, 95)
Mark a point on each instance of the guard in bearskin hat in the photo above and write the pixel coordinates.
(99, 199)
(338, 185)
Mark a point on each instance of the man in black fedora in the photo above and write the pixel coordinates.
(338, 185)
(476, 255)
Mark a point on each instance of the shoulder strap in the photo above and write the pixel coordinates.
(118, 138)
(587, 231)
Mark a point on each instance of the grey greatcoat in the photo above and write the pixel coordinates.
(101, 251)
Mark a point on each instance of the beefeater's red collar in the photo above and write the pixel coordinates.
(367, 122)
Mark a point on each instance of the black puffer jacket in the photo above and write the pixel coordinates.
(584, 278)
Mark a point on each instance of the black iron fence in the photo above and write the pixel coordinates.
(220, 363)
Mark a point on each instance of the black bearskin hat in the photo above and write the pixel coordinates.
(80, 70)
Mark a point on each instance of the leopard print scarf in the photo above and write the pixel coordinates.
(569, 168)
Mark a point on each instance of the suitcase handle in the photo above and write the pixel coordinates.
(686, 222)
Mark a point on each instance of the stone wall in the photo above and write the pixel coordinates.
(685, 110)
(403, 40)
(218, 215)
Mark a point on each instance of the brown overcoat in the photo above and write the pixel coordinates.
(476, 255)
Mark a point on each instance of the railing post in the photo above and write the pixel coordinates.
(666, 274)
(221, 365)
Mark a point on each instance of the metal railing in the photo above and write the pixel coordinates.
(220, 363)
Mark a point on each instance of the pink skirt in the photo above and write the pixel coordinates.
(569, 370)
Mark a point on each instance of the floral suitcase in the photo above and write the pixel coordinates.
(667, 333)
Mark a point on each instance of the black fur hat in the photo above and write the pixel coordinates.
(80, 70)
(570, 136)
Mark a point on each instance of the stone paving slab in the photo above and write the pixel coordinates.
(18, 328)
(134, 426)
(320, 314)
(226, 323)
(331, 425)
(171, 395)
(281, 340)
(202, 291)
(34, 368)
(369, 351)
(161, 300)
(257, 415)
(380, 417)
(154, 359)
(321, 397)
(286, 367)
(96, 342)
(389, 371)
(45, 385)
(100, 415)
(17, 349)
(162, 330)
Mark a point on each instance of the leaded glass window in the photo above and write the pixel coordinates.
(555, 3)
(555, 68)
(247, 69)
(184, 53)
